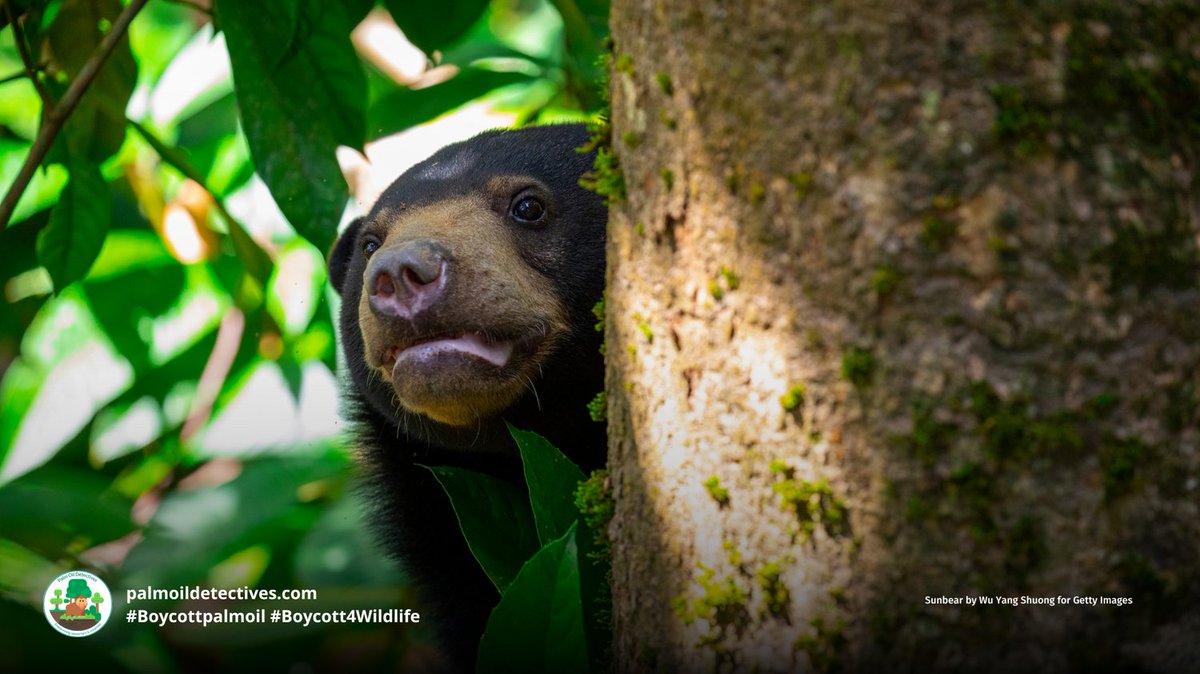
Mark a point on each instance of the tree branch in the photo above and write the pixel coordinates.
(26, 59)
(55, 117)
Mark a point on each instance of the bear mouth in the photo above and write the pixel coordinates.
(461, 377)
(470, 344)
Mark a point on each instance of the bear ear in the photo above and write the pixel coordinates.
(342, 253)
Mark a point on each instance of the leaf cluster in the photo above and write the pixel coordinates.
(540, 546)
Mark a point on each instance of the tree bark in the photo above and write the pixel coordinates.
(903, 305)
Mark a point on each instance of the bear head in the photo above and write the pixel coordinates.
(467, 290)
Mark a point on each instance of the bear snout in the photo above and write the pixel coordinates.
(406, 279)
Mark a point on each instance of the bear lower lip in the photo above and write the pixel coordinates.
(469, 344)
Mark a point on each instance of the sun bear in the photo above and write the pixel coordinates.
(467, 296)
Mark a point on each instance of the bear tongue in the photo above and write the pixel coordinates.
(495, 353)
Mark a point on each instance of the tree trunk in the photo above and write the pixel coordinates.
(903, 305)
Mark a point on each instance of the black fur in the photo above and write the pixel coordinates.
(414, 518)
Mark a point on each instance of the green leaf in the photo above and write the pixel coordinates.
(295, 286)
(301, 92)
(61, 408)
(495, 519)
(594, 571)
(585, 25)
(357, 10)
(92, 130)
(538, 624)
(19, 7)
(23, 572)
(67, 370)
(42, 191)
(19, 243)
(193, 530)
(40, 15)
(168, 391)
(209, 139)
(482, 44)
(162, 29)
(128, 250)
(55, 506)
(433, 24)
(254, 259)
(126, 307)
(341, 551)
(73, 237)
(402, 108)
(552, 480)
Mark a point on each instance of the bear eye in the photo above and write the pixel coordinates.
(369, 247)
(528, 209)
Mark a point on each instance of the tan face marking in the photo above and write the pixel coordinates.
(491, 291)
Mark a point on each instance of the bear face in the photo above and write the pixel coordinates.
(467, 297)
(469, 278)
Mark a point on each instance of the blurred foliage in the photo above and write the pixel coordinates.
(536, 546)
(168, 403)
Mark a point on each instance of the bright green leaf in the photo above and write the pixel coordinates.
(43, 189)
(67, 398)
(125, 307)
(123, 428)
(552, 480)
(65, 326)
(495, 519)
(18, 389)
(482, 45)
(67, 370)
(169, 387)
(538, 624)
(73, 238)
(160, 32)
(209, 139)
(127, 250)
(231, 167)
(295, 287)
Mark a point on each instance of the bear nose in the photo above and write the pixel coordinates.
(406, 279)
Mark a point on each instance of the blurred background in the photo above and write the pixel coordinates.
(166, 421)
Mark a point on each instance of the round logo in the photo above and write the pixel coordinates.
(77, 603)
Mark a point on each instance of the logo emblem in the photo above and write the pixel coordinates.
(77, 603)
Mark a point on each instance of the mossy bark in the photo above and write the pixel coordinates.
(903, 303)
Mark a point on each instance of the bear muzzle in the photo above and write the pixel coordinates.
(404, 280)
